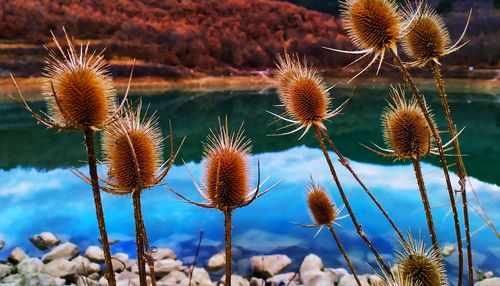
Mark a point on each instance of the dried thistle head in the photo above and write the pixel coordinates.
(396, 279)
(320, 205)
(227, 180)
(428, 38)
(405, 126)
(304, 95)
(133, 150)
(420, 265)
(78, 87)
(372, 24)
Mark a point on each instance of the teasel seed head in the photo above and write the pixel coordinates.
(420, 265)
(372, 24)
(227, 179)
(320, 205)
(427, 39)
(133, 150)
(405, 126)
(78, 87)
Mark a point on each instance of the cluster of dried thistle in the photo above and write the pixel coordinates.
(80, 95)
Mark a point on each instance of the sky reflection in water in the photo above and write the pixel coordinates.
(35, 201)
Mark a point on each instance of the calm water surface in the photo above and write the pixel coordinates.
(38, 193)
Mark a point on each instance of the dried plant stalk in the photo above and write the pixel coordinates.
(344, 253)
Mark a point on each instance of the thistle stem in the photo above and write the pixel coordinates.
(89, 143)
(227, 226)
(149, 255)
(421, 103)
(460, 164)
(427, 206)
(359, 228)
(341, 247)
(136, 197)
(345, 162)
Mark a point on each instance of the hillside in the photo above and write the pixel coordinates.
(182, 38)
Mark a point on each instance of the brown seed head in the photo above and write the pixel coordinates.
(405, 126)
(421, 266)
(320, 206)
(302, 91)
(129, 141)
(427, 38)
(227, 170)
(84, 93)
(372, 24)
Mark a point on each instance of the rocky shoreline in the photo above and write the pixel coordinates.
(65, 264)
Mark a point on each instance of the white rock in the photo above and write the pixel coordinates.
(269, 265)
(217, 262)
(103, 281)
(83, 266)
(200, 275)
(66, 250)
(164, 253)
(348, 280)
(85, 281)
(316, 278)
(119, 261)
(17, 255)
(5, 270)
(495, 281)
(60, 268)
(172, 278)
(30, 265)
(311, 262)
(135, 268)
(336, 273)
(47, 280)
(44, 240)
(165, 266)
(95, 254)
(236, 280)
(283, 279)
(13, 280)
(126, 275)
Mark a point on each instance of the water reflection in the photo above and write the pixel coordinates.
(55, 200)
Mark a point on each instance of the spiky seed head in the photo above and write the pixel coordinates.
(396, 279)
(302, 91)
(227, 180)
(420, 265)
(320, 206)
(372, 24)
(82, 84)
(405, 126)
(133, 139)
(427, 38)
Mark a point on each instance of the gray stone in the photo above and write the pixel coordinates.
(311, 262)
(135, 268)
(86, 281)
(66, 250)
(495, 281)
(257, 281)
(200, 276)
(47, 280)
(5, 270)
(164, 253)
(348, 280)
(172, 278)
(269, 265)
(217, 262)
(336, 273)
(83, 266)
(44, 240)
(289, 278)
(126, 275)
(119, 261)
(30, 265)
(316, 278)
(95, 254)
(60, 268)
(17, 255)
(14, 279)
(165, 266)
(236, 280)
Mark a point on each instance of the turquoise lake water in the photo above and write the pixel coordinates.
(38, 193)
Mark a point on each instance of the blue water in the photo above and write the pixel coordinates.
(45, 196)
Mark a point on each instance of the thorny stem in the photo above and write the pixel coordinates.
(462, 175)
(89, 143)
(196, 256)
(227, 226)
(136, 197)
(421, 103)
(345, 162)
(341, 247)
(427, 206)
(149, 254)
(359, 228)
